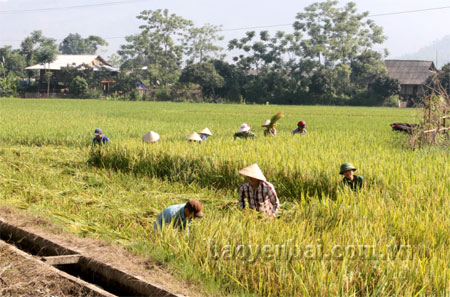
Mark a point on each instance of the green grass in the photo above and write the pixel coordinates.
(47, 168)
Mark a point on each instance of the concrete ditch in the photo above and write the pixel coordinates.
(99, 277)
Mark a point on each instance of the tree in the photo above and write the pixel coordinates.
(264, 54)
(12, 61)
(9, 82)
(79, 86)
(384, 87)
(28, 48)
(159, 46)
(200, 43)
(366, 67)
(234, 78)
(74, 44)
(336, 35)
(45, 54)
(203, 74)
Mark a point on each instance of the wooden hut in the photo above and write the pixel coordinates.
(412, 76)
(94, 62)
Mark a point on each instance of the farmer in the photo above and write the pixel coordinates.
(180, 214)
(300, 128)
(355, 182)
(269, 130)
(204, 134)
(150, 137)
(259, 193)
(99, 139)
(244, 132)
(194, 137)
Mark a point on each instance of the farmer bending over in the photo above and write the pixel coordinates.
(269, 130)
(244, 132)
(180, 214)
(99, 139)
(259, 193)
(301, 128)
(355, 182)
(204, 134)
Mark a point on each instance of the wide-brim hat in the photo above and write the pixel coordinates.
(206, 132)
(346, 167)
(244, 128)
(151, 137)
(194, 137)
(266, 123)
(253, 171)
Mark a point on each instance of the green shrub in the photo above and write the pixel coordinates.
(79, 86)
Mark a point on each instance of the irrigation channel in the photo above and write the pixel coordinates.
(99, 278)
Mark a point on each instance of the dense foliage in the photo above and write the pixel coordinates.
(327, 57)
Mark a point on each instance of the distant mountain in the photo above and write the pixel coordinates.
(441, 47)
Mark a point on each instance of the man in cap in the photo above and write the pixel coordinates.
(259, 193)
(204, 134)
(355, 182)
(244, 132)
(180, 215)
(99, 139)
(301, 128)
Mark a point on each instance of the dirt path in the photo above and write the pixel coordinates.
(22, 277)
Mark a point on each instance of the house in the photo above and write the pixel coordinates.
(95, 62)
(412, 76)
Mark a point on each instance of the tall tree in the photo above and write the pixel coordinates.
(12, 61)
(45, 54)
(336, 34)
(159, 45)
(74, 44)
(200, 43)
(205, 75)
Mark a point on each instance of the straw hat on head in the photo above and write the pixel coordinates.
(194, 137)
(266, 123)
(206, 132)
(253, 171)
(244, 128)
(151, 137)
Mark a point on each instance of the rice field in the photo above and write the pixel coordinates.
(389, 239)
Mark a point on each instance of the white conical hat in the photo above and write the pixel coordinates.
(151, 137)
(194, 137)
(206, 131)
(266, 123)
(253, 171)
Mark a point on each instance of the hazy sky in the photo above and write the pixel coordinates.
(406, 32)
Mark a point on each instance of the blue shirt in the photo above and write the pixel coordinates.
(204, 137)
(173, 213)
(100, 141)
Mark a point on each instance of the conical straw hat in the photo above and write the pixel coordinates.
(150, 137)
(194, 137)
(266, 123)
(206, 131)
(253, 171)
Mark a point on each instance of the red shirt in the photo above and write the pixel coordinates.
(264, 198)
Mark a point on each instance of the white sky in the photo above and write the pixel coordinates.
(406, 32)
